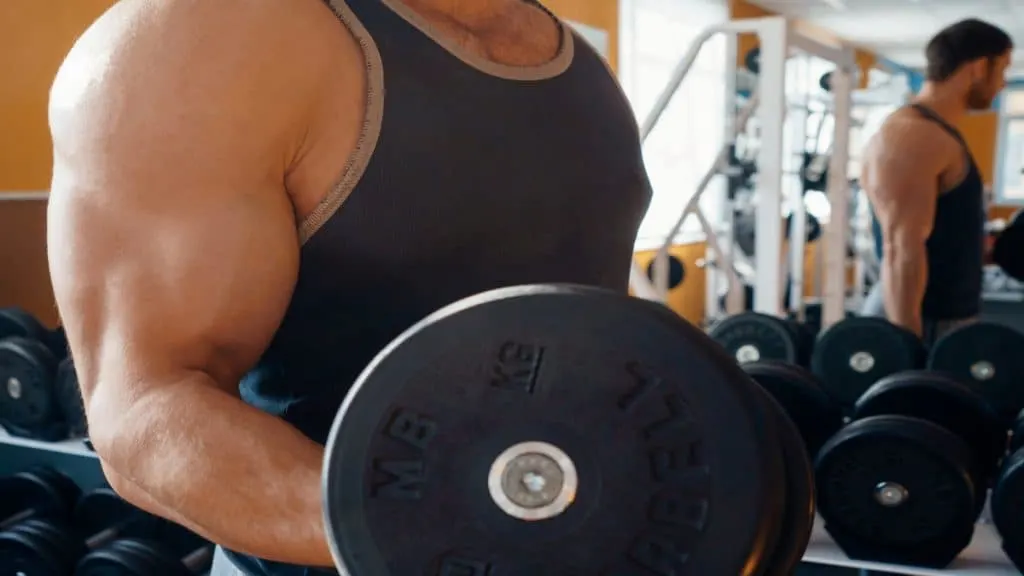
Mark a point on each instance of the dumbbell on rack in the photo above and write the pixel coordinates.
(48, 546)
(853, 354)
(906, 481)
(37, 399)
(36, 493)
(179, 554)
(800, 394)
(1007, 503)
(15, 322)
(69, 399)
(988, 358)
(753, 337)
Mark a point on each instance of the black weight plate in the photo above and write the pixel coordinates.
(752, 337)
(752, 60)
(408, 483)
(676, 272)
(800, 394)
(804, 341)
(989, 358)
(17, 322)
(798, 517)
(103, 509)
(897, 489)
(131, 557)
(47, 492)
(26, 376)
(57, 342)
(944, 401)
(854, 353)
(69, 399)
(1017, 433)
(39, 547)
(1008, 501)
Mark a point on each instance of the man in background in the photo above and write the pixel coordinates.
(926, 190)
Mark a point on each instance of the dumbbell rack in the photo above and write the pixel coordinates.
(71, 457)
(982, 558)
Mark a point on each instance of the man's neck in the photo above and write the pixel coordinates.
(472, 14)
(950, 104)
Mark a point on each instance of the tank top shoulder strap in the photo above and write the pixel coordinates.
(930, 114)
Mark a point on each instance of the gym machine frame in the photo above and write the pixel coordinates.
(777, 39)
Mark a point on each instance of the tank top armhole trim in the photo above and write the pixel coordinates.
(962, 177)
(357, 162)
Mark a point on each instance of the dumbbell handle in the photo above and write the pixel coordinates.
(199, 559)
(17, 518)
(102, 537)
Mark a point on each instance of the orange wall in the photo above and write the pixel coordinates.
(602, 14)
(34, 37)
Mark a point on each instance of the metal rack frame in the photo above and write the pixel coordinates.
(778, 40)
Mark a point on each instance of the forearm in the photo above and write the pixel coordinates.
(904, 278)
(237, 476)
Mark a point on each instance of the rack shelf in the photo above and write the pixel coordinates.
(984, 557)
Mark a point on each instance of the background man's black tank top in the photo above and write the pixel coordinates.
(469, 176)
(956, 246)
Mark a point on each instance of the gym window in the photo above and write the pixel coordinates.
(654, 35)
(1009, 178)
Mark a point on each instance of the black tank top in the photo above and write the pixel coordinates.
(470, 175)
(957, 243)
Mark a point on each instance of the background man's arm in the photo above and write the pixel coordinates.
(905, 179)
(173, 252)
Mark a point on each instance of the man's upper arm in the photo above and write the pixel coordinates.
(904, 180)
(172, 242)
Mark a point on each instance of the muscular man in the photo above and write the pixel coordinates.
(251, 198)
(926, 190)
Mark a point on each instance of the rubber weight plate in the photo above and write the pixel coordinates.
(69, 399)
(1017, 432)
(989, 358)
(38, 547)
(752, 336)
(551, 430)
(855, 353)
(897, 489)
(17, 322)
(26, 376)
(944, 401)
(137, 557)
(799, 392)
(1007, 502)
(38, 492)
(798, 515)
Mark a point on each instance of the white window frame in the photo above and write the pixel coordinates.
(628, 60)
(1002, 148)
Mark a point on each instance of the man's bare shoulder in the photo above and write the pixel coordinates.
(172, 54)
(909, 135)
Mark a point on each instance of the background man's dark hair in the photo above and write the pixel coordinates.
(964, 42)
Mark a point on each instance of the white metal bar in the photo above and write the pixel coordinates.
(24, 195)
(719, 254)
(837, 231)
(715, 277)
(755, 25)
(718, 164)
(843, 57)
(792, 186)
(772, 91)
